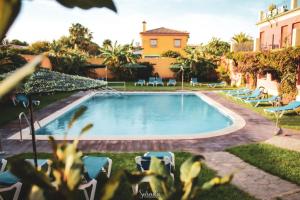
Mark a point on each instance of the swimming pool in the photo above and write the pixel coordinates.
(140, 115)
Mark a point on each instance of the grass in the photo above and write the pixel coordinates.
(280, 162)
(290, 120)
(12, 112)
(130, 87)
(126, 161)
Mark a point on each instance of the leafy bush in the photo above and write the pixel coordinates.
(18, 42)
(171, 54)
(40, 47)
(9, 60)
(283, 63)
(46, 81)
(69, 62)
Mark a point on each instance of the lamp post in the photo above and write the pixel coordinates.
(182, 76)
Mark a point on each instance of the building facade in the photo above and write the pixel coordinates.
(157, 41)
(280, 27)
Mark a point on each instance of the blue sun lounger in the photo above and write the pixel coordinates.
(194, 81)
(93, 167)
(140, 82)
(280, 111)
(23, 100)
(269, 100)
(152, 81)
(171, 82)
(254, 95)
(143, 164)
(159, 81)
(10, 182)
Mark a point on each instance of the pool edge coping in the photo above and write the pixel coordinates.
(238, 122)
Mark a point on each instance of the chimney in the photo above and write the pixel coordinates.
(294, 4)
(144, 26)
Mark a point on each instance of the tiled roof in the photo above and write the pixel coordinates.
(163, 30)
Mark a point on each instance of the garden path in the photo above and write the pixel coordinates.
(256, 182)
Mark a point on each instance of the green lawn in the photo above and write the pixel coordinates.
(130, 87)
(280, 162)
(12, 112)
(126, 161)
(290, 120)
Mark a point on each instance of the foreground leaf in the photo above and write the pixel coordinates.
(10, 82)
(76, 115)
(9, 10)
(87, 4)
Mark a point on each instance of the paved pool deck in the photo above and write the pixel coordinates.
(257, 129)
(256, 182)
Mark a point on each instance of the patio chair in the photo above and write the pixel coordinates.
(280, 111)
(152, 81)
(140, 82)
(143, 164)
(23, 100)
(254, 95)
(159, 81)
(214, 85)
(93, 167)
(194, 81)
(171, 82)
(257, 102)
(9, 182)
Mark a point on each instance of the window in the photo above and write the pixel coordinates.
(284, 36)
(177, 43)
(262, 40)
(153, 43)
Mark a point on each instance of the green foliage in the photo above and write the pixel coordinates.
(80, 37)
(116, 57)
(216, 47)
(46, 81)
(223, 73)
(39, 47)
(282, 62)
(106, 42)
(9, 61)
(241, 38)
(18, 42)
(69, 61)
(171, 54)
(87, 4)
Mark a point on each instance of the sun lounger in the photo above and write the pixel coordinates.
(257, 102)
(23, 100)
(152, 81)
(93, 167)
(214, 85)
(254, 95)
(280, 111)
(171, 82)
(159, 81)
(140, 82)
(194, 82)
(143, 164)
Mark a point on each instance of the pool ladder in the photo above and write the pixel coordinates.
(22, 114)
(109, 90)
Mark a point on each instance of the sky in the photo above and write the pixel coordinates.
(203, 19)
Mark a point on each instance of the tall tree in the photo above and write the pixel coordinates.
(80, 36)
(241, 38)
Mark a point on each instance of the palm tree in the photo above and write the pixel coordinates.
(116, 56)
(241, 38)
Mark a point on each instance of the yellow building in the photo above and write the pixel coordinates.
(157, 41)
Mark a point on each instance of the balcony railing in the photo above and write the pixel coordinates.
(269, 47)
(279, 9)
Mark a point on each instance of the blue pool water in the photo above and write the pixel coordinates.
(142, 115)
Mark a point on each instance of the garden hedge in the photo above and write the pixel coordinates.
(283, 63)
